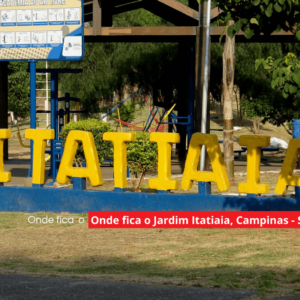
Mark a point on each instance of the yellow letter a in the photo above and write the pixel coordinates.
(218, 175)
(92, 170)
(4, 135)
(254, 143)
(39, 137)
(285, 177)
(163, 182)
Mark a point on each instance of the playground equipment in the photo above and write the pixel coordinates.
(152, 116)
(119, 104)
(15, 122)
(176, 120)
(57, 116)
(64, 114)
(135, 126)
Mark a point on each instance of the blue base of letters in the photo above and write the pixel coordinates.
(26, 199)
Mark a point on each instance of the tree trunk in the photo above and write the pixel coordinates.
(256, 125)
(228, 81)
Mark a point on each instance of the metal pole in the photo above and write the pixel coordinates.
(205, 84)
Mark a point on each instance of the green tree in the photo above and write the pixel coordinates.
(259, 16)
(253, 86)
(18, 89)
(141, 156)
(285, 74)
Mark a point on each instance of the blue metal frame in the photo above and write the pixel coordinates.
(175, 122)
(32, 67)
(67, 111)
(54, 111)
(148, 119)
(152, 116)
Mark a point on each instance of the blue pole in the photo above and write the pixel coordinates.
(56, 106)
(32, 67)
(296, 135)
(190, 127)
(54, 77)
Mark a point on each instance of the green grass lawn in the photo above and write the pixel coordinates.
(258, 259)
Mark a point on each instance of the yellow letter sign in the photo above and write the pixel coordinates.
(120, 156)
(254, 144)
(164, 182)
(285, 177)
(92, 170)
(218, 174)
(39, 137)
(4, 135)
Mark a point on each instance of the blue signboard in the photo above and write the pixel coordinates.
(41, 30)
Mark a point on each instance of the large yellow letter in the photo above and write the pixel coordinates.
(285, 177)
(254, 144)
(39, 137)
(218, 174)
(4, 135)
(164, 182)
(92, 170)
(119, 140)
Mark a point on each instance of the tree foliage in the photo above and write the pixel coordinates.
(109, 67)
(285, 75)
(258, 16)
(141, 156)
(18, 89)
(258, 98)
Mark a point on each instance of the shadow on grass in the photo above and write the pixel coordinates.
(265, 280)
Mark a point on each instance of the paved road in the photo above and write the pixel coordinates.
(17, 287)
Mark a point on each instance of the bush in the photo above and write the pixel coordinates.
(97, 128)
(141, 156)
(127, 112)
